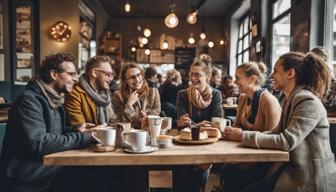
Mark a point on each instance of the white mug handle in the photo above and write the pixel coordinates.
(228, 122)
(95, 137)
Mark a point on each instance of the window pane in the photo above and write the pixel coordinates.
(240, 45)
(246, 25)
(241, 30)
(239, 59)
(281, 38)
(246, 42)
(280, 6)
(246, 56)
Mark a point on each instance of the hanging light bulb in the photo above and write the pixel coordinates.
(147, 32)
(211, 44)
(192, 17)
(202, 35)
(191, 40)
(221, 42)
(144, 40)
(165, 45)
(133, 49)
(147, 51)
(127, 7)
(171, 20)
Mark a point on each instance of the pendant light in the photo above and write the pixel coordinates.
(147, 32)
(147, 51)
(211, 44)
(192, 17)
(165, 45)
(127, 7)
(171, 20)
(191, 39)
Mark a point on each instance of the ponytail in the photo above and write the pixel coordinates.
(315, 75)
(311, 71)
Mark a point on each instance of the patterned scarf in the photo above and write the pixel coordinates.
(101, 99)
(200, 100)
(55, 99)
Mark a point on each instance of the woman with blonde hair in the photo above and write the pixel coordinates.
(258, 110)
(303, 129)
(135, 100)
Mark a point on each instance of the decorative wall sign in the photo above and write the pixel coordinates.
(184, 57)
(141, 57)
(155, 56)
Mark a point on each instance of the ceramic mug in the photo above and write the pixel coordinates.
(220, 123)
(106, 136)
(135, 139)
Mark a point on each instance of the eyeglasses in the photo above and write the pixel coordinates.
(72, 74)
(197, 75)
(108, 74)
(134, 77)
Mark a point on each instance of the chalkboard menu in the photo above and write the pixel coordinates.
(184, 57)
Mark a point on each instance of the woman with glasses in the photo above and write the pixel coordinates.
(258, 110)
(197, 103)
(135, 100)
(303, 129)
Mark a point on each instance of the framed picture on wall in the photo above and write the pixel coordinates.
(24, 60)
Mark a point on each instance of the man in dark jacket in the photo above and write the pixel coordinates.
(36, 127)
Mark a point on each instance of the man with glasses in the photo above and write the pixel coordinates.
(90, 101)
(36, 127)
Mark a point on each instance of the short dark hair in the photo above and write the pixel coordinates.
(95, 61)
(54, 62)
(150, 71)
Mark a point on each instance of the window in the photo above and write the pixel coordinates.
(244, 40)
(280, 29)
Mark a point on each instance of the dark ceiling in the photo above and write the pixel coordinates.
(160, 8)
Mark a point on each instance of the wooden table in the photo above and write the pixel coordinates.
(219, 152)
(226, 106)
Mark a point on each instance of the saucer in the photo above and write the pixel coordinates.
(147, 149)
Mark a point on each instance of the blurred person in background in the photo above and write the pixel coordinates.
(151, 77)
(168, 93)
(216, 78)
(228, 88)
(329, 99)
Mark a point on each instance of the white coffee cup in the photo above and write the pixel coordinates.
(220, 123)
(106, 136)
(154, 124)
(166, 124)
(135, 139)
(229, 101)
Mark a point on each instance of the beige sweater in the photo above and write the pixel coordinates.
(126, 113)
(268, 114)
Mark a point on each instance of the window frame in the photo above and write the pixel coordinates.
(275, 20)
(241, 50)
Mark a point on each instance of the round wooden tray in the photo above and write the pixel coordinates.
(177, 139)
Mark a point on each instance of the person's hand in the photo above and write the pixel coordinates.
(204, 124)
(144, 123)
(133, 98)
(2, 100)
(85, 127)
(234, 134)
(183, 121)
